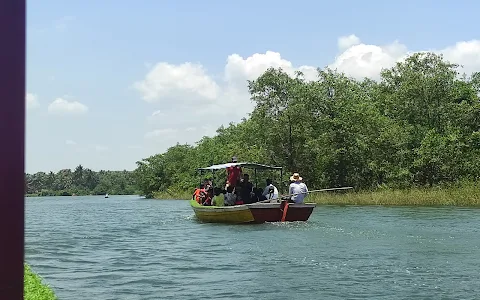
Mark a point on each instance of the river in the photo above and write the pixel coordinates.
(124, 247)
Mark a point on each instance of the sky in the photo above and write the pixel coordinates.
(112, 82)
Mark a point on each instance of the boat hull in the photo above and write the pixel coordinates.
(273, 212)
(237, 214)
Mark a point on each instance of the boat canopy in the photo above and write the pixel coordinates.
(241, 164)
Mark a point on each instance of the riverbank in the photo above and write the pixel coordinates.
(62, 193)
(34, 288)
(465, 195)
(172, 195)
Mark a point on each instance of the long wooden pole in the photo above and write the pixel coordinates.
(12, 147)
(316, 191)
(309, 192)
(323, 190)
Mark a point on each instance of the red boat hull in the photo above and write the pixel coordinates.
(273, 212)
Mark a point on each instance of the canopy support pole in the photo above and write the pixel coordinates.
(281, 180)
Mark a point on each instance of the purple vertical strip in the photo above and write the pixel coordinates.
(12, 147)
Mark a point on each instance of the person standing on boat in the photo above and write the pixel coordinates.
(297, 188)
(234, 174)
(270, 192)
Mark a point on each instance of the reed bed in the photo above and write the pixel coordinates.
(462, 195)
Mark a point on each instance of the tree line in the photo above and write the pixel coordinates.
(81, 181)
(418, 125)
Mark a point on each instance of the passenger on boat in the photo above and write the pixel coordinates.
(206, 195)
(258, 195)
(270, 192)
(230, 197)
(247, 193)
(217, 191)
(234, 173)
(207, 182)
(196, 193)
(297, 187)
(217, 199)
(238, 194)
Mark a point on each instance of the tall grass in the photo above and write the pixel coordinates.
(461, 194)
(34, 288)
(456, 195)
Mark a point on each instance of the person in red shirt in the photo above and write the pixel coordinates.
(234, 173)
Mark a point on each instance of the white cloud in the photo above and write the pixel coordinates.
(194, 99)
(156, 116)
(345, 42)
(239, 69)
(160, 132)
(157, 113)
(31, 101)
(209, 130)
(362, 60)
(464, 53)
(62, 106)
(187, 83)
(87, 148)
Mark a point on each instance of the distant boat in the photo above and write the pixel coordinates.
(106, 195)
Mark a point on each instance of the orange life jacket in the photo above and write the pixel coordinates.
(199, 195)
(203, 197)
(196, 195)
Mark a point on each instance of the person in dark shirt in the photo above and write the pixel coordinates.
(247, 189)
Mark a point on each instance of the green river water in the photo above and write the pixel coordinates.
(124, 247)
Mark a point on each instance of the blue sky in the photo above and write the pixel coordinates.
(112, 82)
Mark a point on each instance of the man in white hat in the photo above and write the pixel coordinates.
(297, 189)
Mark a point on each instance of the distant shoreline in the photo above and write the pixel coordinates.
(466, 195)
(75, 195)
(462, 196)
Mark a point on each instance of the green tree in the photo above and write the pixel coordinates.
(418, 125)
